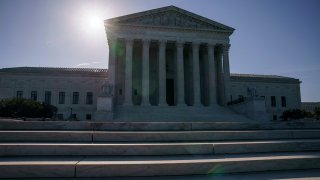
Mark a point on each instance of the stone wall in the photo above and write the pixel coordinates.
(10, 83)
(267, 87)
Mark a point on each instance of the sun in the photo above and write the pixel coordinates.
(92, 22)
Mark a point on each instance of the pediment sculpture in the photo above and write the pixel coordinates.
(170, 19)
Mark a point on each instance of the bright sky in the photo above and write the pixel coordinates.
(279, 37)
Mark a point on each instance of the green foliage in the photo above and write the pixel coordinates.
(307, 114)
(19, 107)
(292, 114)
(317, 112)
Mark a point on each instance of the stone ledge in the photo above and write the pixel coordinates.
(152, 126)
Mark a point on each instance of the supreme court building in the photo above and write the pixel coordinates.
(169, 56)
(165, 64)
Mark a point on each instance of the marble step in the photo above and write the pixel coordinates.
(304, 174)
(176, 114)
(151, 126)
(187, 136)
(120, 149)
(153, 136)
(46, 136)
(128, 166)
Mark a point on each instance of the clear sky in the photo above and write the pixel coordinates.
(279, 37)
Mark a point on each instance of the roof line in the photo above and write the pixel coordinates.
(161, 9)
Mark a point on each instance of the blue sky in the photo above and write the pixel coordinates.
(278, 37)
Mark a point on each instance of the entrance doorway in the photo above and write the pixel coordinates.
(170, 92)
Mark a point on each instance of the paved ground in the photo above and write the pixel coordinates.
(276, 175)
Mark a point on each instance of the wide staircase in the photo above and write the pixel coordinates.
(127, 149)
(177, 114)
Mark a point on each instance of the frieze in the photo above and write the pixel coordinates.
(165, 33)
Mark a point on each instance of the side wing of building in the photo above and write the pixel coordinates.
(280, 93)
(73, 91)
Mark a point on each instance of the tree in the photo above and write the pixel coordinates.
(307, 114)
(19, 107)
(317, 112)
(292, 114)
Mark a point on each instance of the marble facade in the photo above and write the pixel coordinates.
(168, 56)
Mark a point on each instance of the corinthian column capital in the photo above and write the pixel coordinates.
(195, 44)
(212, 45)
(180, 43)
(146, 41)
(111, 41)
(162, 41)
(226, 47)
(129, 40)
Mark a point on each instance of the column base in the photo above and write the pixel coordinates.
(127, 104)
(213, 104)
(162, 104)
(145, 105)
(198, 105)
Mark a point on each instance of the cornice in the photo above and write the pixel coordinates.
(194, 30)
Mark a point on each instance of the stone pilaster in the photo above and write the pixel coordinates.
(145, 72)
(162, 73)
(212, 75)
(180, 74)
(128, 73)
(196, 75)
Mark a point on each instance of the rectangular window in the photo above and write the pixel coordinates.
(47, 97)
(75, 98)
(60, 116)
(283, 101)
(273, 101)
(62, 97)
(34, 95)
(88, 117)
(89, 99)
(19, 94)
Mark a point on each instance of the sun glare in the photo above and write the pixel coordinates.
(92, 22)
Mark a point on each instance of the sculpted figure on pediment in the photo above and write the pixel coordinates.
(171, 19)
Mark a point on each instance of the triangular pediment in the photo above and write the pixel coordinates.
(170, 16)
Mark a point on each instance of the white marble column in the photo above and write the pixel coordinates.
(162, 73)
(220, 76)
(196, 75)
(112, 42)
(180, 75)
(128, 73)
(145, 73)
(212, 75)
(226, 73)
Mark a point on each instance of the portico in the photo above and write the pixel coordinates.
(168, 57)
